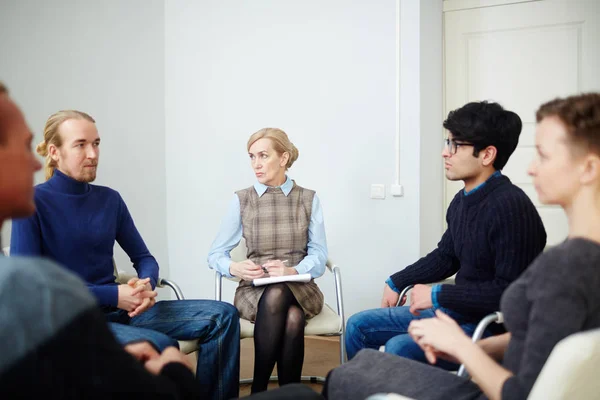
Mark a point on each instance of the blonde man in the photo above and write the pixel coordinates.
(76, 224)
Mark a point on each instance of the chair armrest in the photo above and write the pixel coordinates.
(162, 282)
(496, 317)
(122, 278)
(404, 292)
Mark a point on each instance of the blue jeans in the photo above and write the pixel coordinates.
(214, 323)
(389, 326)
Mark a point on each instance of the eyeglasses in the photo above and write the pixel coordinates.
(452, 145)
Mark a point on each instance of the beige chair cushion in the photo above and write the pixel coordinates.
(570, 372)
(327, 322)
(188, 346)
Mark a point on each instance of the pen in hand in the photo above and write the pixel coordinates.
(266, 271)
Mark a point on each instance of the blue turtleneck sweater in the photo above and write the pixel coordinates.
(76, 224)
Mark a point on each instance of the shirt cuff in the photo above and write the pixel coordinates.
(391, 285)
(224, 263)
(301, 268)
(435, 289)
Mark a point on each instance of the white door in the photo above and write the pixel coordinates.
(522, 55)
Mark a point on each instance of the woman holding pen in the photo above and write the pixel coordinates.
(282, 224)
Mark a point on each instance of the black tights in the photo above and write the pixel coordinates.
(278, 337)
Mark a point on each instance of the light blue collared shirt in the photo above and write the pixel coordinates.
(230, 234)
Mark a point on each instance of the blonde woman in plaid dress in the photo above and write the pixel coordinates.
(282, 224)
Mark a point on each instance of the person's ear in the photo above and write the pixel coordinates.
(53, 152)
(489, 155)
(590, 169)
(284, 159)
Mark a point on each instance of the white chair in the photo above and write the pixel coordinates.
(570, 371)
(327, 323)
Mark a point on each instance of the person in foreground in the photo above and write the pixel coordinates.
(555, 297)
(283, 226)
(54, 341)
(76, 225)
(494, 232)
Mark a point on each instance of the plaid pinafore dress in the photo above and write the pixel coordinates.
(275, 227)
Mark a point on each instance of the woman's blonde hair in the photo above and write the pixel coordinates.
(280, 140)
(52, 136)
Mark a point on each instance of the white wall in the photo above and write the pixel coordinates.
(325, 72)
(430, 70)
(212, 73)
(105, 58)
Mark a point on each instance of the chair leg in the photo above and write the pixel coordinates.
(342, 348)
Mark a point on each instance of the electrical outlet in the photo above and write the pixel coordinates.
(397, 190)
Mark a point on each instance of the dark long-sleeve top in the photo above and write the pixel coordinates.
(556, 297)
(55, 342)
(493, 234)
(76, 225)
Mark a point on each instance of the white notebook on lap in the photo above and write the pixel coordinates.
(287, 278)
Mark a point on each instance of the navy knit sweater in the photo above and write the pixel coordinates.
(493, 234)
(76, 224)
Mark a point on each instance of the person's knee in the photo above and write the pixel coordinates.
(228, 311)
(404, 346)
(228, 315)
(158, 340)
(273, 300)
(295, 320)
(355, 324)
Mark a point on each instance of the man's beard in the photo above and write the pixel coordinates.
(89, 176)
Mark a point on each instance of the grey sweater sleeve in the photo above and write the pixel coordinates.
(557, 291)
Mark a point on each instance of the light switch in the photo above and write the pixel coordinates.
(377, 191)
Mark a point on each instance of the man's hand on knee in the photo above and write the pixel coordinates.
(390, 298)
(420, 299)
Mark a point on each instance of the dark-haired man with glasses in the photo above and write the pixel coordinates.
(493, 234)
